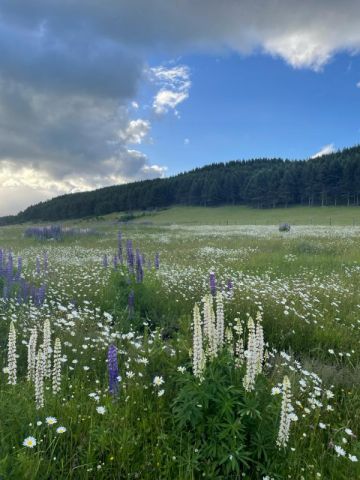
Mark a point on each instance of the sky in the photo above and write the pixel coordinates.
(96, 93)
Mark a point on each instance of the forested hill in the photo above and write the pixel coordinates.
(264, 183)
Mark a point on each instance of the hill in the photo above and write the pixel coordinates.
(332, 179)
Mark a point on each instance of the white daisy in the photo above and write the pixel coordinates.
(29, 442)
(51, 420)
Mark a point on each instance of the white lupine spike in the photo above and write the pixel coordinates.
(47, 348)
(239, 346)
(259, 347)
(286, 414)
(32, 354)
(212, 345)
(229, 339)
(251, 358)
(12, 364)
(219, 320)
(207, 315)
(39, 379)
(198, 350)
(56, 374)
(210, 338)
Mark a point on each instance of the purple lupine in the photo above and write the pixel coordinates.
(157, 261)
(105, 261)
(229, 285)
(39, 295)
(113, 370)
(130, 256)
(38, 265)
(10, 268)
(24, 289)
(19, 268)
(1, 261)
(115, 261)
(46, 261)
(212, 283)
(131, 302)
(120, 248)
(139, 268)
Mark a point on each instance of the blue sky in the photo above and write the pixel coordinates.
(96, 93)
(247, 107)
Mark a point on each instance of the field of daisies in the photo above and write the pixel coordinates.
(179, 352)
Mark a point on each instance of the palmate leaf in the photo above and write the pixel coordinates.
(251, 407)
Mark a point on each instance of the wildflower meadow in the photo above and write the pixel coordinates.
(179, 352)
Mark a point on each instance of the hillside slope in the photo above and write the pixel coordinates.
(264, 183)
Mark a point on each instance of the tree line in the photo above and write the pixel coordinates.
(332, 179)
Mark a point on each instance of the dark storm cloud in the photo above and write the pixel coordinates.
(68, 68)
(305, 32)
(74, 66)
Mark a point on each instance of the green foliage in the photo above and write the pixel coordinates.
(233, 431)
(147, 308)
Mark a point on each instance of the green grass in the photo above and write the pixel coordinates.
(240, 215)
(309, 292)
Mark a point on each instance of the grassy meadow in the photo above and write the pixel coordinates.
(241, 215)
(142, 387)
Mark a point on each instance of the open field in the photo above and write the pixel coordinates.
(142, 389)
(241, 215)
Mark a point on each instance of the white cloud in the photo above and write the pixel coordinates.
(325, 150)
(186, 141)
(175, 85)
(300, 49)
(20, 187)
(136, 131)
(358, 84)
(168, 99)
(176, 77)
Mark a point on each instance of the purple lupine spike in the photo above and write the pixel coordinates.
(19, 298)
(24, 289)
(157, 261)
(46, 261)
(38, 270)
(229, 285)
(139, 268)
(131, 302)
(105, 261)
(19, 268)
(115, 261)
(120, 248)
(42, 292)
(113, 370)
(130, 256)
(39, 295)
(212, 283)
(1, 261)
(10, 268)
